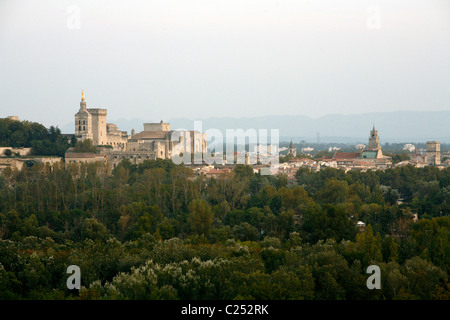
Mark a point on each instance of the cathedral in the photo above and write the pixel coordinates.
(373, 150)
(91, 124)
(157, 141)
(369, 158)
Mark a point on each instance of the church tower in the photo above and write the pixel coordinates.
(292, 150)
(83, 121)
(433, 153)
(374, 140)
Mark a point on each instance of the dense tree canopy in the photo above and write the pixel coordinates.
(43, 141)
(158, 231)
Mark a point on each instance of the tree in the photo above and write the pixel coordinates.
(370, 245)
(423, 277)
(200, 217)
(18, 139)
(272, 258)
(432, 237)
(8, 153)
(393, 280)
(330, 223)
(12, 222)
(73, 141)
(84, 146)
(245, 232)
(92, 229)
(334, 191)
(389, 248)
(243, 171)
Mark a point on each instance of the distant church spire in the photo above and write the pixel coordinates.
(292, 150)
(374, 140)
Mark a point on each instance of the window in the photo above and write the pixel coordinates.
(84, 128)
(79, 128)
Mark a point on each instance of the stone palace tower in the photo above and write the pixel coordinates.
(91, 124)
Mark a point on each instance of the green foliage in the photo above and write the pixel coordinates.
(157, 231)
(330, 223)
(370, 245)
(396, 158)
(8, 153)
(43, 141)
(423, 277)
(432, 237)
(200, 217)
(85, 146)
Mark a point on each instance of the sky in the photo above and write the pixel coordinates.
(198, 59)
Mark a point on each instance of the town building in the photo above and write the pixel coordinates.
(433, 153)
(18, 158)
(87, 157)
(91, 124)
(15, 151)
(292, 151)
(20, 162)
(156, 141)
(368, 158)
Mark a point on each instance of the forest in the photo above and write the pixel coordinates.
(160, 231)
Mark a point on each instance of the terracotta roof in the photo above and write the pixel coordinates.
(346, 155)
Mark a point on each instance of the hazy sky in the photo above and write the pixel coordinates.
(229, 58)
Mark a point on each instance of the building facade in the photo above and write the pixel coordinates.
(292, 150)
(369, 158)
(157, 141)
(433, 153)
(91, 124)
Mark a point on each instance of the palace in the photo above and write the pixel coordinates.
(157, 141)
(91, 124)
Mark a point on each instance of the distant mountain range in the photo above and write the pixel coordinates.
(401, 126)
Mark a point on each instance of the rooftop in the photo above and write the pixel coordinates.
(346, 155)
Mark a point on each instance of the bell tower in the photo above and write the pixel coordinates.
(83, 121)
(374, 140)
(292, 150)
